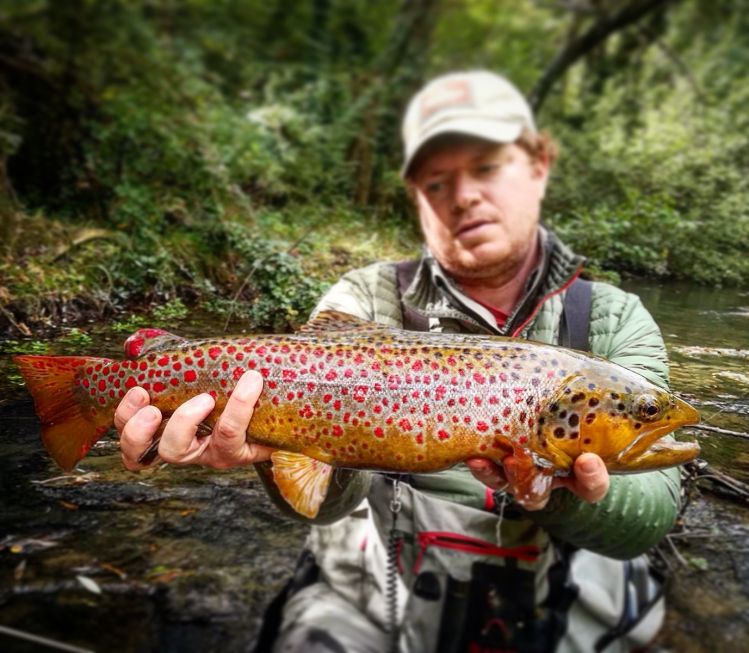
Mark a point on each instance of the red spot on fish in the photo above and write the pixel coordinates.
(214, 352)
(130, 382)
(159, 387)
(442, 434)
(163, 361)
(190, 376)
(379, 432)
(102, 385)
(506, 412)
(482, 427)
(337, 430)
(174, 381)
(331, 375)
(237, 373)
(327, 398)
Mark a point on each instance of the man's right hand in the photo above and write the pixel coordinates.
(225, 447)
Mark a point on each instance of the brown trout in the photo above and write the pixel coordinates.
(347, 393)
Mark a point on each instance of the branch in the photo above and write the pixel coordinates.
(604, 27)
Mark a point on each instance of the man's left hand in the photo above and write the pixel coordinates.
(589, 479)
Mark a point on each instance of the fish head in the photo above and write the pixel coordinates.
(619, 415)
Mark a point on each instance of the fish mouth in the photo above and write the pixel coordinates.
(649, 452)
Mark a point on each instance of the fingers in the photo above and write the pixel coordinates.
(179, 443)
(137, 433)
(488, 472)
(590, 480)
(132, 402)
(229, 446)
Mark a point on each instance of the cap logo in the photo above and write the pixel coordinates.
(450, 93)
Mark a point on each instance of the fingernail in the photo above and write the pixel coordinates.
(204, 401)
(588, 465)
(149, 415)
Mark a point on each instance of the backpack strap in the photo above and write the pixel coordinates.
(405, 271)
(574, 326)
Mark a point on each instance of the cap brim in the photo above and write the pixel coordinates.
(488, 130)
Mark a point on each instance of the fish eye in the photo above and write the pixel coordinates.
(648, 408)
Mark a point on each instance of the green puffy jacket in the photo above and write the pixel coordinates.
(640, 508)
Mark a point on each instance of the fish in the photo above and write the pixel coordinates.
(346, 393)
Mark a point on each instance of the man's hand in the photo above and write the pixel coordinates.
(589, 479)
(225, 447)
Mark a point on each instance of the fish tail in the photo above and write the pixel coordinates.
(71, 422)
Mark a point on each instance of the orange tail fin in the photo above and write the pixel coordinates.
(71, 424)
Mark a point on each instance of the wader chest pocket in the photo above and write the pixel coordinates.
(481, 607)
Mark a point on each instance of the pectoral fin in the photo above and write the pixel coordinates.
(529, 484)
(302, 481)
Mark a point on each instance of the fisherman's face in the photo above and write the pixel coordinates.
(479, 205)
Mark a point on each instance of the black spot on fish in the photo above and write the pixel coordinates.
(559, 432)
(614, 396)
(573, 435)
(554, 407)
(563, 414)
(593, 402)
(621, 406)
(577, 397)
(637, 425)
(574, 420)
(568, 391)
(590, 418)
(591, 386)
(541, 421)
(529, 400)
(586, 441)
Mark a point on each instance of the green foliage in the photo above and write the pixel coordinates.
(276, 291)
(130, 324)
(23, 347)
(172, 311)
(75, 338)
(212, 136)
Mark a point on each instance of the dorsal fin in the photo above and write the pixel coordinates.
(144, 341)
(336, 321)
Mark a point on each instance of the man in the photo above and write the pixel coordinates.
(454, 577)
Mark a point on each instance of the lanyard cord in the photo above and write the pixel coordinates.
(391, 591)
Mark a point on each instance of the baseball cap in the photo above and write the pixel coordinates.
(477, 103)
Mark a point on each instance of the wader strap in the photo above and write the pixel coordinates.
(574, 327)
(405, 272)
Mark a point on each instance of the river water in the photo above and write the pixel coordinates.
(186, 559)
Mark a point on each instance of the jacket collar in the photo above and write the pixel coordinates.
(435, 295)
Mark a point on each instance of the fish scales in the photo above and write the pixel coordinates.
(363, 396)
(392, 403)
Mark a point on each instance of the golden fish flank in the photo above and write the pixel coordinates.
(354, 394)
